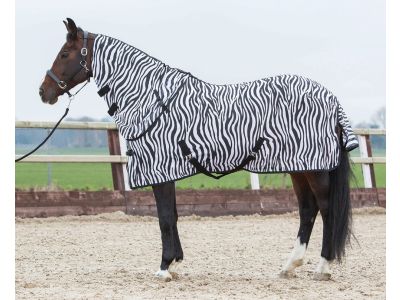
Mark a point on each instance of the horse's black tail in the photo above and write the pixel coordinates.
(340, 219)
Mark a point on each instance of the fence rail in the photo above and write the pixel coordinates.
(124, 159)
(116, 159)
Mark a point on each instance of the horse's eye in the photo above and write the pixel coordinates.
(64, 55)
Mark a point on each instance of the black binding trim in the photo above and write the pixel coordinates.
(104, 90)
(200, 168)
(113, 109)
(165, 109)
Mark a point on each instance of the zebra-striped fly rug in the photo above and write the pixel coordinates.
(177, 125)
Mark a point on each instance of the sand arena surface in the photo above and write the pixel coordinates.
(114, 256)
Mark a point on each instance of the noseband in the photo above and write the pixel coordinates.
(83, 66)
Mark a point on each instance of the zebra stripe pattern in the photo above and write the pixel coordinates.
(159, 106)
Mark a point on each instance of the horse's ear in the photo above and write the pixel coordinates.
(66, 24)
(72, 29)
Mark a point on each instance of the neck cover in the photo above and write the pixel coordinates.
(302, 125)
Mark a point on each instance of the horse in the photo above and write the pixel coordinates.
(325, 191)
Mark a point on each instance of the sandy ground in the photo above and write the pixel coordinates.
(114, 256)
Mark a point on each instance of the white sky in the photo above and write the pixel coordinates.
(340, 44)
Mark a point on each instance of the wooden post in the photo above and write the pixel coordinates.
(367, 169)
(116, 168)
(371, 166)
(122, 143)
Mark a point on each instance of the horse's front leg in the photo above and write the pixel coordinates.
(167, 216)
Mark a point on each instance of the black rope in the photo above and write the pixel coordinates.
(45, 140)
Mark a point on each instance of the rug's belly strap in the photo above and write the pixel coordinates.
(200, 168)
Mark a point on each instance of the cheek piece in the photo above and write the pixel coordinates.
(62, 84)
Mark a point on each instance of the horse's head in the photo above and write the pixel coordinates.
(71, 66)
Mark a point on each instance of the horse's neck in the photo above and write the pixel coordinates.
(115, 60)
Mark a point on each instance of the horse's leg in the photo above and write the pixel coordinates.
(167, 217)
(319, 183)
(178, 248)
(307, 210)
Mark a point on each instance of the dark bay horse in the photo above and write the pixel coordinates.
(326, 192)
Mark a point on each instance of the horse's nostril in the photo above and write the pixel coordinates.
(41, 92)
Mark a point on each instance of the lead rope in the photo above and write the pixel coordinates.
(71, 97)
(45, 140)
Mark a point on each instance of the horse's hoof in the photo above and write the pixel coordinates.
(174, 275)
(286, 274)
(297, 263)
(322, 276)
(173, 267)
(164, 275)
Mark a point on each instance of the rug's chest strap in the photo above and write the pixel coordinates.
(148, 123)
(200, 168)
(164, 109)
(104, 90)
(114, 107)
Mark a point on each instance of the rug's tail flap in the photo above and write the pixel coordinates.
(350, 140)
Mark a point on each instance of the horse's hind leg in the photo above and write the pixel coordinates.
(319, 183)
(167, 217)
(308, 210)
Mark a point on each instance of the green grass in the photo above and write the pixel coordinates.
(93, 176)
(66, 176)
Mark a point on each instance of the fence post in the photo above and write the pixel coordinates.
(116, 168)
(367, 169)
(123, 148)
(371, 166)
(255, 181)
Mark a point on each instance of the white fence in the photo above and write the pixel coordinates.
(117, 146)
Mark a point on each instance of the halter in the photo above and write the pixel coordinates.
(63, 84)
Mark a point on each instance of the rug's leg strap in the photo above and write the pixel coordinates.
(199, 167)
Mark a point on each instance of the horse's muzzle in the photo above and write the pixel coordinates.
(49, 96)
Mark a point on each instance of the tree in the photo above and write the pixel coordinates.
(379, 118)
